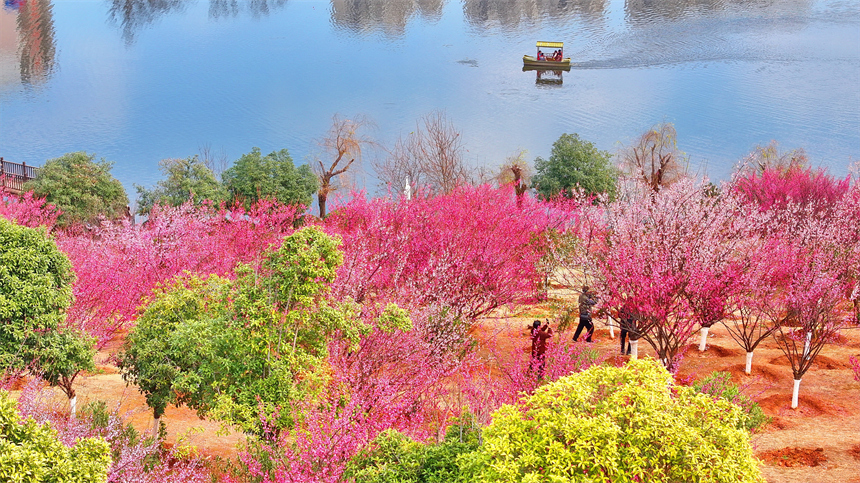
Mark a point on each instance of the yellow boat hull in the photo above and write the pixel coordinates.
(532, 61)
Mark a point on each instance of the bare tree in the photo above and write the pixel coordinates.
(431, 156)
(516, 171)
(655, 158)
(770, 157)
(217, 162)
(401, 164)
(345, 144)
(441, 153)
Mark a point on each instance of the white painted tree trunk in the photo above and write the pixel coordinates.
(611, 324)
(155, 425)
(703, 342)
(795, 394)
(73, 406)
(634, 350)
(748, 369)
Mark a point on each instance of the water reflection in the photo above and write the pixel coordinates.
(384, 16)
(233, 8)
(511, 14)
(133, 15)
(643, 12)
(27, 44)
(547, 77)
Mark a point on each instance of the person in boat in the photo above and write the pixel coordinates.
(557, 55)
(541, 55)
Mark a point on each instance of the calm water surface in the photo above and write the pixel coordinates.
(135, 81)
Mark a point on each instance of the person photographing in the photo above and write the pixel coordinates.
(540, 337)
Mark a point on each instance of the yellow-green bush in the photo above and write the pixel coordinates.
(627, 424)
(31, 453)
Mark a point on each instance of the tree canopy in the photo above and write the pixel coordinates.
(80, 187)
(231, 349)
(35, 289)
(574, 164)
(186, 179)
(622, 424)
(254, 176)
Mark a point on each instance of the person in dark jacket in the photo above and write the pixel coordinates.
(586, 302)
(628, 327)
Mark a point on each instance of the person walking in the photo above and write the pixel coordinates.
(586, 302)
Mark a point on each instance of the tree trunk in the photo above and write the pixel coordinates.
(611, 324)
(156, 424)
(634, 350)
(322, 198)
(73, 406)
(748, 368)
(703, 342)
(795, 394)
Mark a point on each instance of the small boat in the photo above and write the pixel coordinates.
(541, 61)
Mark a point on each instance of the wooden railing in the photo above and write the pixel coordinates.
(14, 175)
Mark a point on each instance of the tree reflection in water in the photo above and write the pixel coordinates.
(134, 15)
(36, 36)
(385, 16)
(234, 8)
(512, 14)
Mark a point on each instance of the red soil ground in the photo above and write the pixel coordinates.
(817, 442)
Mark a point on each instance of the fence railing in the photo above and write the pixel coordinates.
(14, 175)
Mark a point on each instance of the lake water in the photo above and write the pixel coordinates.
(135, 81)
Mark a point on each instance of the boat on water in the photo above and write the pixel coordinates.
(543, 61)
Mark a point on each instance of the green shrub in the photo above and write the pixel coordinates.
(395, 458)
(719, 385)
(31, 453)
(627, 424)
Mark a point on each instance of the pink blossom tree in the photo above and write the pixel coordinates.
(775, 188)
(395, 378)
(811, 299)
(28, 210)
(118, 264)
(470, 251)
(661, 258)
(756, 306)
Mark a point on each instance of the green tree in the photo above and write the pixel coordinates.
(254, 176)
(60, 356)
(231, 349)
(186, 179)
(157, 357)
(621, 424)
(574, 163)
(32, 453)
(35, 290)
(81, 188)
